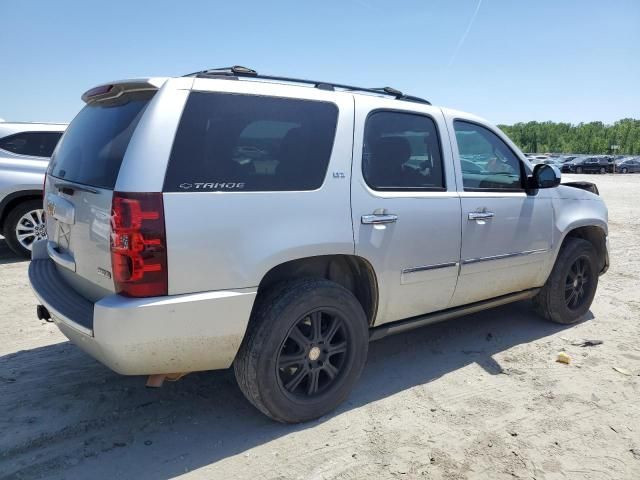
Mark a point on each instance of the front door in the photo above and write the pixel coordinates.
(406, 211)
(506, 234)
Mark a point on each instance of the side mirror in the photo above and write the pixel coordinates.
(544, 176)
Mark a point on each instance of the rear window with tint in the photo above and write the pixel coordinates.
(230, 142)
(93, 147)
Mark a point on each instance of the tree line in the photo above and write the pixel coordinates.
(593, 137)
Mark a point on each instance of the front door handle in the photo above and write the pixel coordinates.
(480, 215)
(379, 219)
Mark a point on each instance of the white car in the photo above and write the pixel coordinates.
(25, 149)
(171, 251)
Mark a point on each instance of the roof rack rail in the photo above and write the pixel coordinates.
(239, 71)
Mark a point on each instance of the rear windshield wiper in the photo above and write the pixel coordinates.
(70, 187)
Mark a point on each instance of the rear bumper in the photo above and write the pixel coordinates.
(141, 336)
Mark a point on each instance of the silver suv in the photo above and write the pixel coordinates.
(25, 149)
(278, 225)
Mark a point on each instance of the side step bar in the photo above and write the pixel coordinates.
(400, 326)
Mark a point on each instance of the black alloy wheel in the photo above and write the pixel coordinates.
(312, 356)
(577, 285)
(304, 349)
(568, 292)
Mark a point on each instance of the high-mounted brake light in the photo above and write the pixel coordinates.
(101, 90)
(138, 244)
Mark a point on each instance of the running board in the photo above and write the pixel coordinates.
(423, 320)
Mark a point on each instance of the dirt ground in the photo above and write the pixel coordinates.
(477, 397)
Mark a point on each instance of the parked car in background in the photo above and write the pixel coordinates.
(594, 165)
(628, 165)
(573, 166)
(174, 247)
(25, 149)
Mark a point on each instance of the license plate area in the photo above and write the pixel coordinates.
(61, 209)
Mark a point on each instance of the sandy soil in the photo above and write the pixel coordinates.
(477, 397)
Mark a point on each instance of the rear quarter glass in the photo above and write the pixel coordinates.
(232, 142)
(33, 144)
(94, 145)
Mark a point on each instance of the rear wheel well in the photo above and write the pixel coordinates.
(13, 200)
(595, 236)
(352, 272)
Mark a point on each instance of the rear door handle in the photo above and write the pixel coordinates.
(379, 219)
(480, 215)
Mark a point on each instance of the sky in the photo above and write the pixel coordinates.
(506, 60)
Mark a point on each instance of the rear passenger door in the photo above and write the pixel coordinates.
(406, 212)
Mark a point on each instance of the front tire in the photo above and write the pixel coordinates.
(571, 287)
(624, 170)
(25, 225)
(304, 350)
(578, 169)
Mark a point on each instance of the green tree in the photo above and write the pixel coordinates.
(592, 137)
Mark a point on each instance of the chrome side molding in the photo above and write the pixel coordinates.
(505, 255)
(430, 267)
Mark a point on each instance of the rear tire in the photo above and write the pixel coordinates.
(304, 350)
(23, 226)
(569, 290)
(603, 170)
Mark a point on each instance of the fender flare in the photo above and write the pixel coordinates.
(591, 222)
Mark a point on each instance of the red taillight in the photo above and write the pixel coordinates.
(138, 244)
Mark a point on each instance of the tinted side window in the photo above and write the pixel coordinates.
(401, 151)
(487, 162)
(231, 142)
(35, 144)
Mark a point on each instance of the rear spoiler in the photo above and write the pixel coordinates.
(113, 90)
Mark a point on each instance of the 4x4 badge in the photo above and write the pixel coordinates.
(104, 272)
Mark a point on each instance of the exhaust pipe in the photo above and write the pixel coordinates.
(156, 380)
(43, 313)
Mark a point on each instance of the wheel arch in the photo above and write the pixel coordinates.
(351, 271)
(8, 203)
(594, 234)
